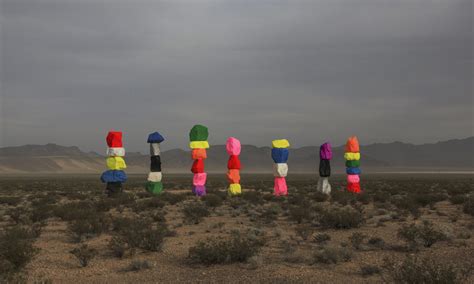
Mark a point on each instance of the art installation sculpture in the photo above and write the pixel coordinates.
(154, 184)
(233, 148)
(280, 155)
(114, 177)
(325, 155)
(198, 143)
(352, 157)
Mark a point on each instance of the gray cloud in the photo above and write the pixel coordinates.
(306, 70)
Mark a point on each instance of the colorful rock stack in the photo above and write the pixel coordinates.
(325, 155)
(280, 154)
(114, 176)
(154, 184)
(233, 148)
(198, 137)
(352, 157)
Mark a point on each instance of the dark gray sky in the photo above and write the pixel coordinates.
(309, 71)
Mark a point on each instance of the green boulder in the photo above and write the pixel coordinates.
(199, 133)
(353, 164)
(154, 187)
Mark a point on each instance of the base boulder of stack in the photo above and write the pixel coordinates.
(154, 187)
(323, 185)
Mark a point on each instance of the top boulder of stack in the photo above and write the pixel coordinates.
(325, 151)
(155, 137)
(281, 143)
(114, 139)
(199, 133)
(233, 146)
(352, 145)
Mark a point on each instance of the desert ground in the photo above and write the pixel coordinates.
(404, 228)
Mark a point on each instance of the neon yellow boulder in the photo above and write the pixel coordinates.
(116, 163)
(235, 189)
(352, 156)
(199, 145)
(281, 143)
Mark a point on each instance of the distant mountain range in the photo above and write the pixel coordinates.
(451, 155)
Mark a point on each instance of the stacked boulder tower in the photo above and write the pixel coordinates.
(352, 157)
(233, 148)
(154, 184)
(280, 155)
(198, 143)
(325, 156)
(114, 177)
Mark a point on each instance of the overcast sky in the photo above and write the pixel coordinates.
(309, 71)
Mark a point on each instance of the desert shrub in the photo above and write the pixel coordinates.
(48, 199)
(91, 226)
(320, 197)
(10, 200)
(357, 239)
(158, 216)
(172, 198)
(458, 199)
(138, 265)
(468, 207)
(304, 231)
(141, 234)
(408, 204)
(150, 203)
(41, 212)
(270, 214)
(425, 199)
(332, 255)
(195, 212)
(16, 249)
(368, 270)
(212, 200)
(118, 246)
(237, 248)
(75, 210)
(341, 218)
(237, 203)
(342, 197)
(84, 254)
(410, 235)
(253, 197)
(152, 239)
(123, 199)
(429, 235)
(300, 213)
(321, 238)
(376, 242)
(425, 234)
(363, 198)
(19, 215)
(428, 270)
(381, 196)
(122, 223)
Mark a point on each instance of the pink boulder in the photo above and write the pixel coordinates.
(233, 146)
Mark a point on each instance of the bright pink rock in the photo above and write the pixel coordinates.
(233, 146)
(280, 187)
(199, 179)
(353, 178)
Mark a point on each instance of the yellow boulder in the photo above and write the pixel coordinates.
(199, 145)
(352, 156)
(235, 189)
(281, 143)
(116, 163)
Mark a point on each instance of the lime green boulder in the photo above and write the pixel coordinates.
(199, 133)
(154, 187)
